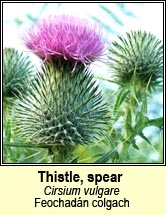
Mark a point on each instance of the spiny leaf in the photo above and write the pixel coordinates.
(156, 122)
(145, 138)
(120, 98)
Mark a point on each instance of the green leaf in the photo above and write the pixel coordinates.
(141, 121)
(156, 122)
(144, 105)
(145, 122)
(120, 98)
(135, 146)
(106, 157)
(128, 122)
(145, 138)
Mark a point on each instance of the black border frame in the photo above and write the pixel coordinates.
(84, 164)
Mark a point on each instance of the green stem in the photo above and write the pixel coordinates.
(24, 145)
(130, 120)
(62, 153)
(123, 152)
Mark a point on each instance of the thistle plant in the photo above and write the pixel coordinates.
(59, 114)
(136, 62)
(16, 69)
(137, 56)
(62, 107)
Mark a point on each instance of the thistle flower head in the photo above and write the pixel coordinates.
(66, 37)
(16, 68)
(138, 54)
(61, 109)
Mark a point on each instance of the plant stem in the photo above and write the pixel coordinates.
(24, 145)
(62, 153)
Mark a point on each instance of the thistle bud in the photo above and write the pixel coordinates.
(61, 108)
(139, 54)
(16, 68)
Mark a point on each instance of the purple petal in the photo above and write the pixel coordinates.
(65, 37)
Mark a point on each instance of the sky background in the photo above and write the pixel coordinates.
(148, 16)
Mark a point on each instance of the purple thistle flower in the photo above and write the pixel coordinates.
(66, 37)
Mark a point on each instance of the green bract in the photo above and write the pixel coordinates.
(139, 54)
(61, 107)
(16, 68)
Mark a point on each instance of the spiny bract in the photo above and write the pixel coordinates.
(16, 68)
(61, 108)
(140, 53)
